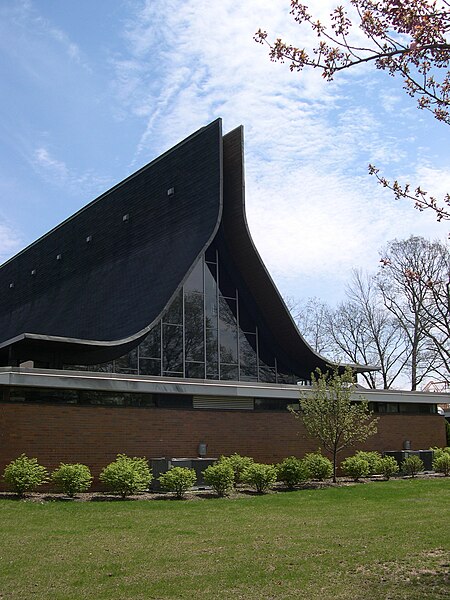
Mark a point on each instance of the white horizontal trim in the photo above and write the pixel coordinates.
(116, 382)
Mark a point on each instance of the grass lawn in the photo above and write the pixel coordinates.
(383, 540)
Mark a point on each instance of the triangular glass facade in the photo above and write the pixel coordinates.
(208, 332)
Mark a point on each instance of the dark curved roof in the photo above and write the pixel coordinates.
(92, 288)
(302, 358)
(115, 273)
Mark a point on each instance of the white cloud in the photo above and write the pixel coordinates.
(24, 14)
(56, 172)
(10, 241)
(312, 209)
(45, 161)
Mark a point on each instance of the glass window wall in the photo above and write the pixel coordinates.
(207, 332)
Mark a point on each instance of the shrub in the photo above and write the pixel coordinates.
(220, 477)
(372, 458)
(260, 476)
(437, 452)
(126, 475)
(317, 466)
(24, 474)
(412, 465)
(441, 464)
(291, 472)
(388, 466)
(178, 480)
(355, 467)
(238, 463)
(72, 478)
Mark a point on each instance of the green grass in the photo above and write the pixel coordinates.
(386, 540)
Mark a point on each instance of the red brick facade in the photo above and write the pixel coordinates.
(94, 435)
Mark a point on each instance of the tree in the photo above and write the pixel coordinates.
(414, 283)
(359, 330)
(312, 317)
(331, 414)
(407, 38)
(398, 320)
(364, 332)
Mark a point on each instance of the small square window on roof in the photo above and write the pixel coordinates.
(58, 256)
(89, 238)
(11, 285)
(126, 218)
(33, 271)
(171, 191)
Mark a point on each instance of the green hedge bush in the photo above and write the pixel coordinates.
(260, 476)
(355, 467)
(412, 465)
(126, 475)
(24, 474)
(291, 471)
(178, 480)
(388, 466)
(220, 477)
(372, 458)
(238, 463)
(441, 464)
(317, 466)
(72, 478)
(437, 452)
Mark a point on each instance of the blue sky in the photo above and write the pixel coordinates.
(92, 91)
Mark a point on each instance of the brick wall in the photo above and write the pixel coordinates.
(94, 435)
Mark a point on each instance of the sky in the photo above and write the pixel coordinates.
(92, 91)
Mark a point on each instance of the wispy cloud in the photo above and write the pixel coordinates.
(313, 210)
(57, 173)
(10, 241)
(26, 17)
(45, 162)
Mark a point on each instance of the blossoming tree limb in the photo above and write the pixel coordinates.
(405, 38)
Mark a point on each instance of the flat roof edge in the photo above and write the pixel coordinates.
(57, 379)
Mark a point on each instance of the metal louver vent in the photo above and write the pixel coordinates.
(217, 403)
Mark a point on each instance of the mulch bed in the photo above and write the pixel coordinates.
(198, 493)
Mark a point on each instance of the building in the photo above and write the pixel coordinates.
(147, 323)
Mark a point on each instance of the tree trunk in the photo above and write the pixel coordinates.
(334, 464)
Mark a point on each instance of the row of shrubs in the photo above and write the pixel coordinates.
(366, 464)
(127, 475)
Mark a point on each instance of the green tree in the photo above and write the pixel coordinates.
(331, 414)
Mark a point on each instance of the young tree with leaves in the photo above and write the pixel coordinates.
(405, 38)
(331, 414)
